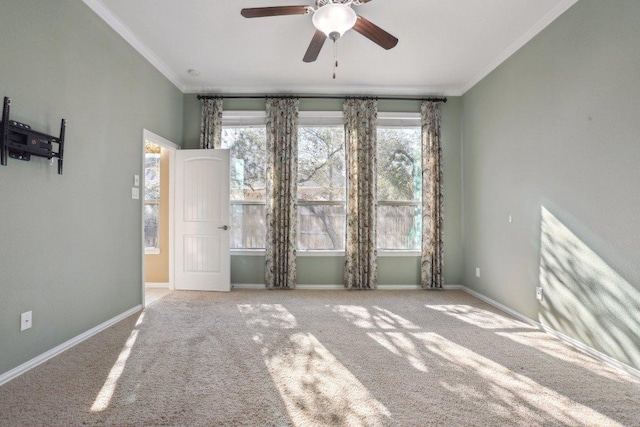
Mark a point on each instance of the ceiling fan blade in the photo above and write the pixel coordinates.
(260, 12)
(315, 46)
(375, 33)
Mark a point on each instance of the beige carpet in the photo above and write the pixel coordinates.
(275, 358)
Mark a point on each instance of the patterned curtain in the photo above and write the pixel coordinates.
(431, 262)
(361, 264)
(281, 192)
(211, 123)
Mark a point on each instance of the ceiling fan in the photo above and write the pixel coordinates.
(331, 18)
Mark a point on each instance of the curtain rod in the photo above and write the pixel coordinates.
(379, 98)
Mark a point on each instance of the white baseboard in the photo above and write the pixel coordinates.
(19, 370)
(328, 287)
(163, 285)
(559, 335)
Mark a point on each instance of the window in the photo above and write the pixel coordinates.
(151, 197)
(399, 225)
(247, 144)
(322, 181)
(321, 188)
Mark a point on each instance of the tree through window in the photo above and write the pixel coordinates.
(399, 188)
(321, 188)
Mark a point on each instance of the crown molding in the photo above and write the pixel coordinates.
(516, 45)
(119, 27)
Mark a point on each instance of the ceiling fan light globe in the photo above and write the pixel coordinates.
(334, 18)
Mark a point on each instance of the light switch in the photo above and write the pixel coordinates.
(136, 180)
(135, 193)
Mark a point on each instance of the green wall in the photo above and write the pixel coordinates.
(552, 138)
(330, 270)
(70, 245)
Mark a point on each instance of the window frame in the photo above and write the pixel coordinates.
(398, 120)
(247, 119)
(257, 118)
(322, 119)
(152, 250)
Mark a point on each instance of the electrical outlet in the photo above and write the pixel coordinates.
(135, 193)
(25, 321)
(136, 180)
(510, 219)
(539, 293)
(477, 271)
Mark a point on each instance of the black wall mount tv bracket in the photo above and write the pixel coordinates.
(18, 141)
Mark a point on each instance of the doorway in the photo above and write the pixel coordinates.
(157, 227)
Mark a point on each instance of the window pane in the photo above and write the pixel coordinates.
(151, 195)
(152, 174)
(248, 152)
(399, 227)
(151, 225)
(399, 164)
(248, 226)
(321, 169)
(321, 227)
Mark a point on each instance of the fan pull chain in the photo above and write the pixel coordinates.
(335, 58)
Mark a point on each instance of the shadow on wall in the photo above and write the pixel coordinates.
(584, 297)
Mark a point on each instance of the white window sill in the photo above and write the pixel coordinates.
(149, 251)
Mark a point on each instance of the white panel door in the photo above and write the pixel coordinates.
(202, 260)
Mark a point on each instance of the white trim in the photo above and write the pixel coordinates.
(152, 251)
(156, 139)
(559, 335)
(156, 285)
(399, 120)
(502, 307)
(337, 287)
(119, 27)
(320, 118)
(244, 118)
(19, 370)
(562, 7)
(171, 147)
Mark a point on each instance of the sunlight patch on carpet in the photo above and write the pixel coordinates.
(379, 318)
(106, 392)
(481, 318)
(401, 344)
(317, 388)
(505, 392)
(558, 350)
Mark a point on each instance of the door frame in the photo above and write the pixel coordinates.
(147, 135)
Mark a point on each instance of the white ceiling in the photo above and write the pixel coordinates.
(446, 46)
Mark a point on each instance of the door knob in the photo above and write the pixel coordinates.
(224, 227)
